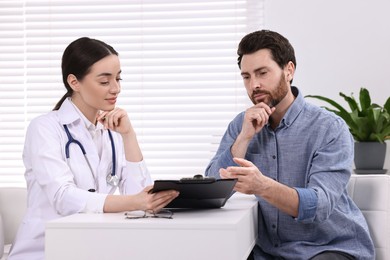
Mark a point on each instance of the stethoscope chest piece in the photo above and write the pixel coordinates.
(112, 180)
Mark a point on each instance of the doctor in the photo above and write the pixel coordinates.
(77, 155)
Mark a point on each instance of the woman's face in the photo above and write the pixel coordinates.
(99, 89)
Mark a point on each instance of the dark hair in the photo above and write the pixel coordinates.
(281, 50)
(78, 59)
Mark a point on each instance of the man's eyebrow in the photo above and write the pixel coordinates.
(258, 69)
(255, 71)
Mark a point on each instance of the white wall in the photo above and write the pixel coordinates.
(339, 45)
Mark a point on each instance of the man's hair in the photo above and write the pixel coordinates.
(281, 50)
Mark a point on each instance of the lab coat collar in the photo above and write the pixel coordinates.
(67, 113)
(88, 124)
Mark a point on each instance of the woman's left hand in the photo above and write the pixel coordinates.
(116, 120)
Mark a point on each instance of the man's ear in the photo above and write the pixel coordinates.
(73, 82)
(290, 70)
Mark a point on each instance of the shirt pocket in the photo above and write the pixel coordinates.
(261, 160)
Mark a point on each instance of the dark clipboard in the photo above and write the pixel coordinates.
(197, 194)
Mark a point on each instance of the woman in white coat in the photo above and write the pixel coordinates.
(61, 180)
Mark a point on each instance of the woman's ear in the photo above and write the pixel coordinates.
(73, 82)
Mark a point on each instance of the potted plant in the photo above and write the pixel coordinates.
(369, 124)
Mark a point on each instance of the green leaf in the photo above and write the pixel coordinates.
(365, 100)
(386, 133)
(387, 105)
(351, 102)
(380, 122)
(362, 128)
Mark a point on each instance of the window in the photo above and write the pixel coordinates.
(181, 84)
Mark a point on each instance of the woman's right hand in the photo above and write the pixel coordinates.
(154, 202)
(144, 200)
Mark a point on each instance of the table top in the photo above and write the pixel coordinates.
(219, 218)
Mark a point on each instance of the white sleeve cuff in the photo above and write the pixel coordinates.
(95, 203)
(135, 177)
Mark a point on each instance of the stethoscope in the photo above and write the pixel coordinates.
(111, 179)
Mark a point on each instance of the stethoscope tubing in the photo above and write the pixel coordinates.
(113, 153)
(114, 179)
(70, 141)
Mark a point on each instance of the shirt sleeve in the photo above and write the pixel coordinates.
(329, 174)
(307, 204)
(223, 158)
(135, 178)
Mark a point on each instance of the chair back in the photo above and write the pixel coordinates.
(13, 204)
(371, 193)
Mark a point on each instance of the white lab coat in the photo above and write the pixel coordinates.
(55, 189)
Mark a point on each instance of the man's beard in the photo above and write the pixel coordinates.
(273, 98)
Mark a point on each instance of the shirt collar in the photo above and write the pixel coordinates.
(293, 111)
(295, 108)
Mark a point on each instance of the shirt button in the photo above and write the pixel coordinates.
(273, 157)
(276, 245)
(274, 226)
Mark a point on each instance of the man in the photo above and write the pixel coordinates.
(295, 158)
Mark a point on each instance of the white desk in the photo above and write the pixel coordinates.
(226, 233)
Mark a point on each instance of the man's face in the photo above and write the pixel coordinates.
(264, 80)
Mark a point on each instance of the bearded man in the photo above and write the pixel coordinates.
(296, 158)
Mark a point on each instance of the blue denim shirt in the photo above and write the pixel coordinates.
(312, 151)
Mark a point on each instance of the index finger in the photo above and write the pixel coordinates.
(102, 116)
(242, 162)
(236, 171)
(264, 106)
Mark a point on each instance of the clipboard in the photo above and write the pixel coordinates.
(197, 193)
